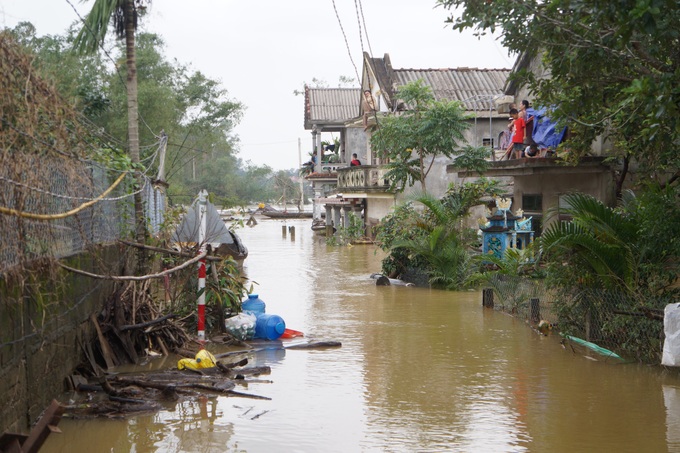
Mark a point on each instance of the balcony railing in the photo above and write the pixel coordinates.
(363, 178)
(330, 167)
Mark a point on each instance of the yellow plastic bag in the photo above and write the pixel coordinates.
(204, 359)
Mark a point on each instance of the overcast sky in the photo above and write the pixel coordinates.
(263, 50)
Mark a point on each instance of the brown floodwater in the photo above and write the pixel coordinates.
(419, 370)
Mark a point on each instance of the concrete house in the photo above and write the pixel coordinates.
(351, 114)
(327, 110)
(540, 184)
(479, 90)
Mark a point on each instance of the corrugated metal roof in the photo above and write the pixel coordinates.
(327, 106)
(475, 88)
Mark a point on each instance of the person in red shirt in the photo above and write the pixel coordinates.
(519, 125)
(355, 161)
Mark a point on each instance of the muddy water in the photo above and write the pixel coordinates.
(418, 370)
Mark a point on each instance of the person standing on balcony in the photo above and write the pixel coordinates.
(355, 161)
(528, 122)
(517, 135)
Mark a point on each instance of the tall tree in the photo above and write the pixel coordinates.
(413, 139)
(78, 78)
(124, 15)
(613, 69)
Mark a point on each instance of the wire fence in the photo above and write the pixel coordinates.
(37, 226)
(630, 326)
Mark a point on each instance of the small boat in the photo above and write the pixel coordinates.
(318, 225)
(287, 214)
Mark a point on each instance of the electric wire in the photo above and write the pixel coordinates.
(349, 52)
(363, 20)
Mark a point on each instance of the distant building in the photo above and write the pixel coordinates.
(340, 189)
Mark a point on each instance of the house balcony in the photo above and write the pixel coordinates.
(363, 178)
(537, 166)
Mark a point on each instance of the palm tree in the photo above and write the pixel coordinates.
(442, 247)
(124, 14)
(599, 240)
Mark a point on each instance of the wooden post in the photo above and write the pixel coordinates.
(535, 309)
(487, 298)
(291, 229)
(283, 231)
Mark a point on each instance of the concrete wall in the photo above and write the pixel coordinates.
(377, 208)
(44, 320)
(356, 141)
(551, 186)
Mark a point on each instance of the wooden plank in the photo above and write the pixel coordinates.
(47, 423)
(11, 442)
(106, 347)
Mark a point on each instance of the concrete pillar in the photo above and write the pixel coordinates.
(336, 217)
(314, 147)
(319, 151)
(329, 221)
(357, 212)
(345, 216)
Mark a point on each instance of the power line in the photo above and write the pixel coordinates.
(363, 20)
(349, 52)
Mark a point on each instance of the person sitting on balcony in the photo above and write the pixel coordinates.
(368, 105)
(355, 161)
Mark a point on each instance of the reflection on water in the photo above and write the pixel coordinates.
(419, 370)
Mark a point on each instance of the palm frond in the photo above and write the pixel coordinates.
(96, 24)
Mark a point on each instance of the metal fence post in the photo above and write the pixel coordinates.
(487, 298)
(535, 309)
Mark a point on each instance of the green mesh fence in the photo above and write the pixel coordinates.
(631, 326)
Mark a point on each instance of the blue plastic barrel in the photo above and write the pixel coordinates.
(269, 327)
(253, 304)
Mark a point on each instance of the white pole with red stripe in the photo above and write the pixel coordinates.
(202, 214)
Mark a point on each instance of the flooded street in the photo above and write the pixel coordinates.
(419, 370)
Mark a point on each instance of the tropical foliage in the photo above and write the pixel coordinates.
(435, 240)
(194, 111)
(346, 235)
(412, 139)
(616, 268)
(617, 248)
(124, 15)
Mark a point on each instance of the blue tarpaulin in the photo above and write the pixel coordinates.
(545, 132)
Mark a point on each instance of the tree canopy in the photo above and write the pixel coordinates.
(411, 140)
(196, 112)
(614, 68)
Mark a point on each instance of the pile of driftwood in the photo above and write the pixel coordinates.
(122, 395)
(131, 326)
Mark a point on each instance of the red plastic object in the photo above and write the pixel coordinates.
(290, 333)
